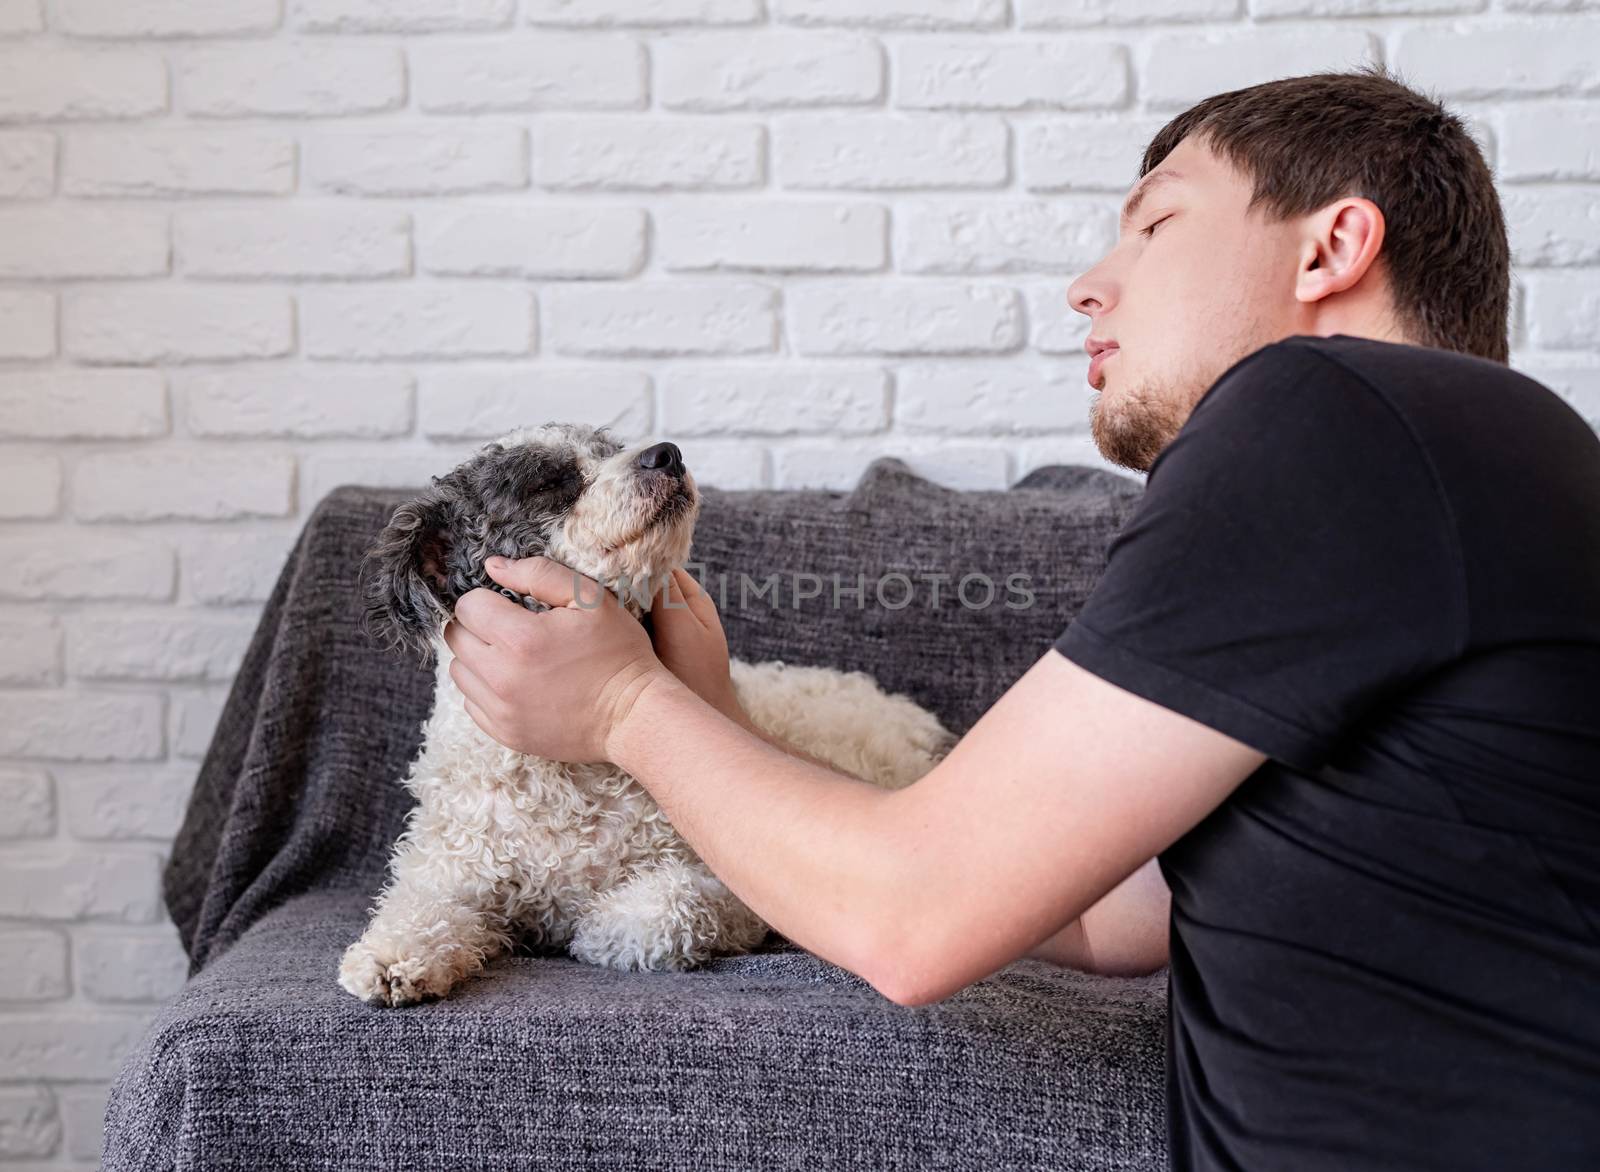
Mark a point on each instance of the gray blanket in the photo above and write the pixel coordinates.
(776, 1059)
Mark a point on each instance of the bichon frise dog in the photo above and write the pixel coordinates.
(503, 846)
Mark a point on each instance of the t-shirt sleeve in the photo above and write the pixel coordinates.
(1293, 561)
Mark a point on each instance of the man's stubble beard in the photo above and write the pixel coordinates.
(1139, 421)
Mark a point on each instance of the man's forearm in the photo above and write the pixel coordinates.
(801, 844)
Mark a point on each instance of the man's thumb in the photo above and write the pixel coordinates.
(546, 580)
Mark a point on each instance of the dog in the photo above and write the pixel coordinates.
(504, 848)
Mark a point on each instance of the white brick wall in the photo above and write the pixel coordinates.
(252, 249)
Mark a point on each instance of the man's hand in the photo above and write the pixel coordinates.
(553, 683)
(690, 642)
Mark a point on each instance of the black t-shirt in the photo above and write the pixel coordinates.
(1378, 564)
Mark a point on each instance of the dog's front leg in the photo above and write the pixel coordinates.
(426, 936)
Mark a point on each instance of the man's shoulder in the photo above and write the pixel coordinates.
(1407, 376)
(1440, 396)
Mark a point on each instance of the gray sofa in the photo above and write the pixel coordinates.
(774, 1059)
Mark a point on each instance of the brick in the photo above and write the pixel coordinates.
(27, 324)
(975, 74)
(1056, 14)
(1183, 69)
(576, 241)
(642, 12)
(904, 317)
(554, 72)
(69, 242)
(1085, 154)
(124, 965)
(194, 721)
(486, 404)
(782, 68)
(185, 647)
(889, 152)
(125, 802)
(82, 1046)
(83, 1110)
(83, 404)
(1550, 140)
(1551, 225)
(1272, 9)
(164, 18)
(235, 568)
(300, 80)
(41, 83)
(29, 1124)
(408, 470)
(44, 569)
(176, 324)
(896, 14)
(400, 16)
(773, 236)
(177, 162)
(35, 964)
(72, 885)
(1057, 327)
(1563, 309)
(153, 484)
(1003, 236)
(1491, 59)
(839, 466)
(27, 164)
(765, 400)
(28, 799)
(1076, 449)
(441, 321)
(615, 152)
(18, 17)
(357, 404)
(303, 242)
(990, 399)
(446, 161)
(729, 464)
(30, 488)
(664, 318)
(30, 651)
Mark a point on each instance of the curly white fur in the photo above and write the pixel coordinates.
(501, 845)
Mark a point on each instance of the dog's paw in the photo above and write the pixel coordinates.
(379, 981)
(363, 975)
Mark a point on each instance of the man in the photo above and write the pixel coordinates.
(1341, 678)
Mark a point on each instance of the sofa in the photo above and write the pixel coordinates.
(772, 1059)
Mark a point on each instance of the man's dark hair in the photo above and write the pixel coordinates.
(1307, 141)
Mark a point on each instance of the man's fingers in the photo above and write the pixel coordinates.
(480, 718)
(473, 690)
(489, 616)
(463, 643)
(694, 596)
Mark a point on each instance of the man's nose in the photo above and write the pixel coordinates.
(1090, 293)
(663, 456)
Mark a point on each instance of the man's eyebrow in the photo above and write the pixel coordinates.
(1154, 179)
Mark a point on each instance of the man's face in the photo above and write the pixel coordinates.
(1192, 286)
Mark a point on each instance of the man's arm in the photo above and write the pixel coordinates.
(1125, 934)
(1061, 791)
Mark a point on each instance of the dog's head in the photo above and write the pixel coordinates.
(622, 515)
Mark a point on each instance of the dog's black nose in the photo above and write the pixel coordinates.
(663, 456)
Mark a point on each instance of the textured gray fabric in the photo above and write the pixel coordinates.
(776, 1059)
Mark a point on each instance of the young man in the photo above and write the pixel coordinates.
(1341, 677)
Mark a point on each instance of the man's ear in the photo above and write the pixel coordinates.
(405, 576)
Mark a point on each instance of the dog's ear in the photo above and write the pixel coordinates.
(405, 577)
